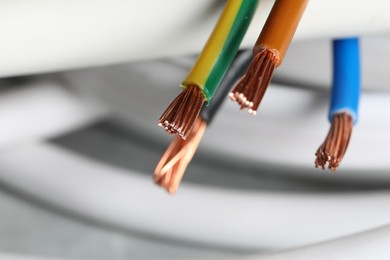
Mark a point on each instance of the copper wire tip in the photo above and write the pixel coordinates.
(249, 90)
(179, 117)
(332, 150)
(173, 163)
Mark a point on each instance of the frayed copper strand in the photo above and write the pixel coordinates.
(332, 150)
(173, 163)
(250, 89)
(180, 116)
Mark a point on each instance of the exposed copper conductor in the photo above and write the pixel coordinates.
(269, 51)
(173, 163)
(332, 150)
(180, 116)
(250, 89)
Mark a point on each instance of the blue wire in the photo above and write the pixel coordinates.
(346, 78)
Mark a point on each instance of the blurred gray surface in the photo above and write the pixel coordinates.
(114, 143)
(29, 228)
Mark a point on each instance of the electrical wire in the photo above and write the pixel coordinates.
(343, 111)
(173, 163)
(269, 51)
(210, 67)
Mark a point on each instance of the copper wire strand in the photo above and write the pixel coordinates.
(161, 177)
(173, 163)
(250, 89)
(269, 51)
(333, 149)
(179, 117)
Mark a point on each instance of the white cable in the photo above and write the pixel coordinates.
(372, 244)
(46, 35)
(280, 135)
(12, 256)
(238, 219)
(42, 109)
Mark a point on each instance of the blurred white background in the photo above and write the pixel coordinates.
(84, 83)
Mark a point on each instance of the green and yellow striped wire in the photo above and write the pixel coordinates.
(221, 47)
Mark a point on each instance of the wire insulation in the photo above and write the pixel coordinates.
(209, 69)
(172, 165)
(268, 52)
(222, 46)
(346, 78)
(238, 67)
(280, 27)
(343, 111)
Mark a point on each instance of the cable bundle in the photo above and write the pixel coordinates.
(175, 160)
(343, 112)
(208, 71)
(182, 116)
(268, 52)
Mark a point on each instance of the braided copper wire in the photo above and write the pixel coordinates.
(173, 163)
(179, 117)
(332, 150)
(250, 89)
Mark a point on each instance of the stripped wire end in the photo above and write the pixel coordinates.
(332, 150)
(173, 163)
(250, 89)
(179, 117)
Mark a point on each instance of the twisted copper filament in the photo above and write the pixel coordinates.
(250, 89)
(180, 116)
(332, 150)
(173, 163)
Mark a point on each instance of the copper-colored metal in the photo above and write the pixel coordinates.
(332, 150)
(173, 163)
(269, 51)
(250, 89)
(180, 116)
